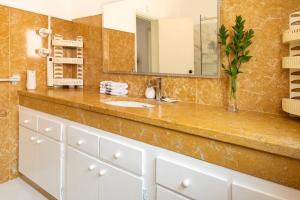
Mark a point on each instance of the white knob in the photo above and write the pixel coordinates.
(48, 129)
(186, 183)
(39, 141)
(80, 142)
(102, 172)
(92, 167)
(26, 121)
(33, 138)
(117, 155)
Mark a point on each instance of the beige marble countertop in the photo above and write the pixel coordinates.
(270, 133)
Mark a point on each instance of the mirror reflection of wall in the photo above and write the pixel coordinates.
(172, 36)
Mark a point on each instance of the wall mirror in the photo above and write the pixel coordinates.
(161, 37)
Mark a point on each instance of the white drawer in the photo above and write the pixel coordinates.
(190, 182)
(124, 156)
(164, 194)
(50, 128)
(240, 192)
(28, 120)
(83, 140)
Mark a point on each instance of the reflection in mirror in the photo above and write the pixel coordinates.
(175, 37)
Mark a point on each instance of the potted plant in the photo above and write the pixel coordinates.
(236, 48)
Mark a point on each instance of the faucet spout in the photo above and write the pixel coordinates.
(157, 87)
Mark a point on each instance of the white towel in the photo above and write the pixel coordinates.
(118, 92)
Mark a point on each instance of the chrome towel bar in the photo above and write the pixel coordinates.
(13, 79)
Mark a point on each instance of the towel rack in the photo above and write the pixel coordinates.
(13, 79)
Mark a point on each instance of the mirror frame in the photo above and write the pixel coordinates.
(106, 68)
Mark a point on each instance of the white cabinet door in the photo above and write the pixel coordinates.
(48, 165)
(27, 156)
(240, 192)
(82, 176)
(117, 184)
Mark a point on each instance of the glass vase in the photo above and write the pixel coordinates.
(232, 103)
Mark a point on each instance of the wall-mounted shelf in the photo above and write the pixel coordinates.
(56, 64)
(291, 106)
(291, 62)
(75, 61)
(292, 35)
(68, 81)
(67, 43)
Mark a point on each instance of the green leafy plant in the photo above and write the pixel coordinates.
(236, 49)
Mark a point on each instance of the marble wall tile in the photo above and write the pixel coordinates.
(91, 30)
(4, 97)
(119, 51)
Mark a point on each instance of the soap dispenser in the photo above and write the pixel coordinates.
(150, 91)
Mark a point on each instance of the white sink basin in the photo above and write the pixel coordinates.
(129, 104)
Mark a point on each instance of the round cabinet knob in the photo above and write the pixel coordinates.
(80, 142)
(48, 129)
(33, 138)
(102, 172)
(39, 141)
(117, 155)
(92, 167)
(26, 121)
(186, 183)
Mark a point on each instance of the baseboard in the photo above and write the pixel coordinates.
(36, 187)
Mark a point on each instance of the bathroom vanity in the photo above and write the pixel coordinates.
(75, 147)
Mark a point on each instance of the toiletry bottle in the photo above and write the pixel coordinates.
(150, 91)
(31, 80)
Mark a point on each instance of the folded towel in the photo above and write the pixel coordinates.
(113, 90)
(114, 87)
(114, 93)
(113, 84)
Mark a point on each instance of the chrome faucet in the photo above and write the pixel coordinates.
(157, 87)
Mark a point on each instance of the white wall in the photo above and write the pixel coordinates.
(55, 8)
(71, 9)
(176, 45)
(83, 8)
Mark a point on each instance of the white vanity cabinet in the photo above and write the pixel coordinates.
(89, 178)
(40, 157)
(85, 163)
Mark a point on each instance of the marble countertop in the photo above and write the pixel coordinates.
(264, 132)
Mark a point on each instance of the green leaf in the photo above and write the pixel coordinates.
(236, 50)
(245, 58)
(223, 35)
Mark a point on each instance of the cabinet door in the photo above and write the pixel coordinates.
(48, 165)
(27, 157)
(240, 192)
(82, 179)
(116, 184)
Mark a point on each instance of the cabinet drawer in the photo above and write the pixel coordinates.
(83, 140)
(191, 182)
(240, 192)
(50, 128)
(28, 120)
(124, 156)
(164, 194)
